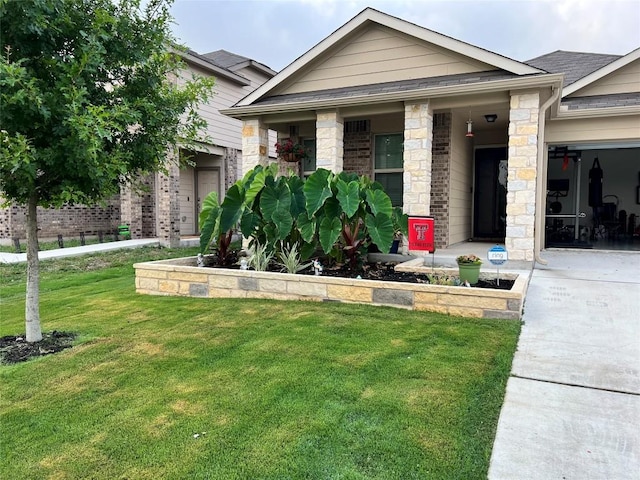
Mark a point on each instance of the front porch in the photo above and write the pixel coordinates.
(427, 160)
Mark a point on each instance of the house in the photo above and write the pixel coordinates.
(170, 206)
(459, 133)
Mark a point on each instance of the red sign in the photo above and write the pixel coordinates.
(421, 234)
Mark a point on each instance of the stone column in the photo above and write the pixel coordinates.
(330, 141)
(168, 205)
(522, 171)
(418, 139)
(255, 145)
(230, 167)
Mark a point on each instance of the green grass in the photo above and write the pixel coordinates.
(283, 390)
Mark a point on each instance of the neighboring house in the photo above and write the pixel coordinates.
(170, 208)
(455, 131)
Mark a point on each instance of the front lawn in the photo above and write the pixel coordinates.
(176, 388)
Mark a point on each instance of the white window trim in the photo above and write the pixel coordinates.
(373, 157)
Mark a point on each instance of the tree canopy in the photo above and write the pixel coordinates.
(89, 100)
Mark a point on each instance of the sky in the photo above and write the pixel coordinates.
(276, 32)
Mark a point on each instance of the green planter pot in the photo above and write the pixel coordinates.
(469, 273)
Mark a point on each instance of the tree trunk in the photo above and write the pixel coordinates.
(32, 305)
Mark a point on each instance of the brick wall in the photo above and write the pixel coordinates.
(66, 221)
(357, 154)
(440, 177)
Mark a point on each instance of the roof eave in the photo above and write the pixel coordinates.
(551, 80)
(212, 68)
(601, 72)
(597, 112)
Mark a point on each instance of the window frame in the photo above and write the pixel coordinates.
(377, 171)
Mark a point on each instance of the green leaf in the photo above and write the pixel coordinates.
(249, 222)
(283, 222)
(208, 230)
(349, 196)
(317, 189)
(379, 202)
(296, 186)
(255, 186)
(400, 221)
(329, 232)
(275, 199)
(380, 229)
(306, 226)
(210, 201)
(232, 208)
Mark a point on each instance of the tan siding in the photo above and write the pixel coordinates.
(624, 80)
(593, 129)
(224, 131)
(460, 197)
(383, 55)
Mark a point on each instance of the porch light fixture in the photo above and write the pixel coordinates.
(491, 117)
(469, 128)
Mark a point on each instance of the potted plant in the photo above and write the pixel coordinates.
(469, 268)
(289, 151)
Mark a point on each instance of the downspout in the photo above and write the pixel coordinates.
(541, 177)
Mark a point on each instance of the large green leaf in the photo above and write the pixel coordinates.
(380, 229)
(400, 221)
(317, 189)
(329, 232)
(210, 201)
(283, 222)
(349, 196)
(208, 230)
(379, 202)
(275, 199)
(332, 208)
(232, 208)
(306, 226)
(296, 186)
(250, 221)
(255, 186)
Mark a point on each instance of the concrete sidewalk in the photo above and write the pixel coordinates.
(572, 406)
(95, 248)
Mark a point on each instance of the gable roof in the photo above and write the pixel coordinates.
(370, 15)
(601, 72)
(574, 65)
(233, 62)
(224, 65)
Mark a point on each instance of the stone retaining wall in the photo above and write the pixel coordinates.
(180, 278)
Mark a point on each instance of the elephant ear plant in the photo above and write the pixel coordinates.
(343, 214)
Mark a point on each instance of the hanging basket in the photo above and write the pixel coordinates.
(290, 157)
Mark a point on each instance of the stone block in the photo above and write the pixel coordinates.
(392, 296)
(430, 307)
(473, 301)
(198, 290)
(426, 297)
(527, 129)
(526, 173)
(276, 286)
(168, 286)
(143, 273)
(466, 312)
(514, 304)
(517, 140)
(147, 283)
(188, 277)
(307, 289)
(500, 314)
(350, 293)
(247, 283)
(223, 281)
(519, 114)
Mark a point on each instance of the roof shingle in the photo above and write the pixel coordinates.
(574, 65)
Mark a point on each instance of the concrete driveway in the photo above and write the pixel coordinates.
(572, 406)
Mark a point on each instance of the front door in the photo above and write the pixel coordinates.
(208, 180)
(490, 194)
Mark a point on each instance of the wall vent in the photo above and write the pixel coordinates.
(357, 126)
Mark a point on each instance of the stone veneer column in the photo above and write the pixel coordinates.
(522, 171)
(330, 141)
(255, 145)
(168, 205)
(418, 138)
(230, 160)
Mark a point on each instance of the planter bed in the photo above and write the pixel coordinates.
(180, 277)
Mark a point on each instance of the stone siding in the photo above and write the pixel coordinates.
(521, 183)
(418, 138)
(329, 141)
(230, 162)
(441, 177)
(255, 145)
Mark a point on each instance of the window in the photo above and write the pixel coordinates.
(388, 163)
(309, 163)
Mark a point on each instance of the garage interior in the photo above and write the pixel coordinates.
(593, 197)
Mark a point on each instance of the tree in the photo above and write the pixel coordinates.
(88, 102)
